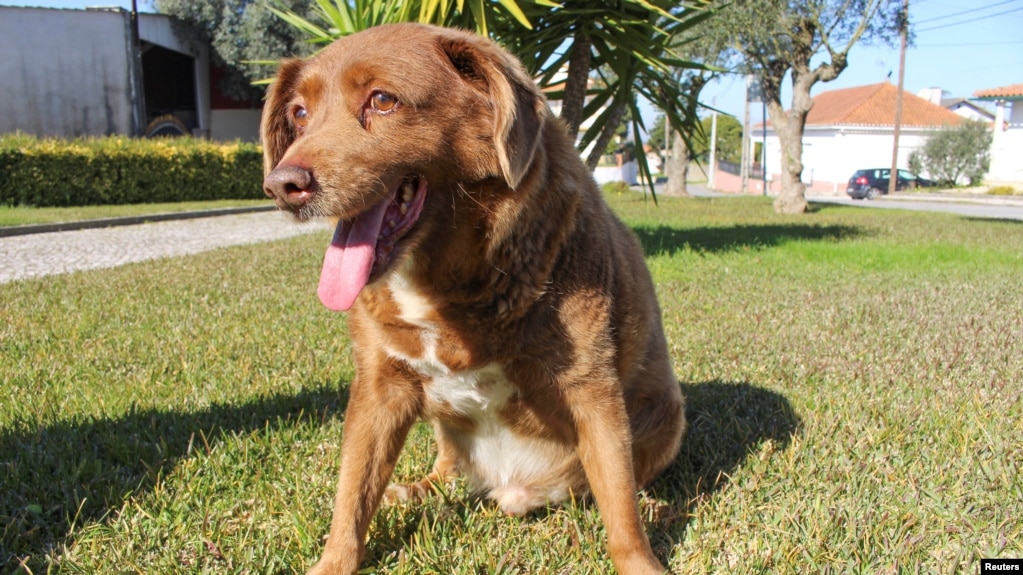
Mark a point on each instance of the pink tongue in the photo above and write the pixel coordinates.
(349, 259)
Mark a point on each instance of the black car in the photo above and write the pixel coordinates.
(872, 183)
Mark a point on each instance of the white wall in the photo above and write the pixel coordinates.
(1007, 146)
(833, 154)
(626, 173)
(65, 72)
(227, 125)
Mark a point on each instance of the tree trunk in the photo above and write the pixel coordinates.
(792, 197)
(789, 128)
(613, 120)
(574, 99)
(676, 167)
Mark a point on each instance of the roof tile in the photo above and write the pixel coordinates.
(874, 105)
(1013, 91)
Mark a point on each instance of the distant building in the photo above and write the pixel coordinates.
(1007, 144)
(613, 168)
(961, 106)
(74, 73)
(967, 109)
(851, 129)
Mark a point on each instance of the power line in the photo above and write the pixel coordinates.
(960, 44)
(971, 10)
(970, 20)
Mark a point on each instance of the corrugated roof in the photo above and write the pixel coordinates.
(874, 105)
(1014, 91)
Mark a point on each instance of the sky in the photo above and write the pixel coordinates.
(959, 46)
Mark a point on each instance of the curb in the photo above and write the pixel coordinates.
(955, 198)
(6, 232)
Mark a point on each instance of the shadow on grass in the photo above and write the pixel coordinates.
(666, 240)
(726, 423)
(65, 475)
(61, 476)
(992, 220)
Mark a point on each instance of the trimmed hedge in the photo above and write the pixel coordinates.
(120, 170)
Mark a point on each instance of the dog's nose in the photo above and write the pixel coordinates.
(290, 185)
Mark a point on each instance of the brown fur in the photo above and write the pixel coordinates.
(521, 280)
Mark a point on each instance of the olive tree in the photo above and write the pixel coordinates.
(805, 42)
(955, 153)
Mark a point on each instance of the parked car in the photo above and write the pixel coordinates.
(874, 182)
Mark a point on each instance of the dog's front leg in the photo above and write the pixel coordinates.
(380, 412)
(605, 449)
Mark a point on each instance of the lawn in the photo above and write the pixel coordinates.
(854, 400)
(21, 215)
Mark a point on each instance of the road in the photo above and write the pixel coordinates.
(989, 207)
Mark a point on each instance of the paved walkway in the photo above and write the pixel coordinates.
(37, 255)
(42, 254)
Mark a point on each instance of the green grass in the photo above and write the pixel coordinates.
(20, 216)
(854, 401)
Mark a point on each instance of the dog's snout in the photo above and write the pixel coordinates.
(290, 185)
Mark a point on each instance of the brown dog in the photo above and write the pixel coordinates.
(491, 289)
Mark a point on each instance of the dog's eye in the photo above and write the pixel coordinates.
(301, 116)
(383, 102)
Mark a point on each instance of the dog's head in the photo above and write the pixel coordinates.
(382, 122)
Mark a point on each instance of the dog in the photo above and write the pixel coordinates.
(490, 289)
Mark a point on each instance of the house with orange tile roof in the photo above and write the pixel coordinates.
(853, 128)
(1007, 144)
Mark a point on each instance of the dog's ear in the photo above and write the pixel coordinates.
(519, 108)
(275, 130)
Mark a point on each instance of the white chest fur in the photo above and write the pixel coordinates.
(519, 472)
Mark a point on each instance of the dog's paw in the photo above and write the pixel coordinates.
(326, 566)
(402, 492)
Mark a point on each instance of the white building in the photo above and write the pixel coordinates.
(71, 73)
(961, 106)
(1007, 144)
(852, 129)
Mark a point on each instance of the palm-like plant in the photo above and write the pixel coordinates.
(343, 17)
(627, 44)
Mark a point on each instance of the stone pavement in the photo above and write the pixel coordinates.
(36, 255)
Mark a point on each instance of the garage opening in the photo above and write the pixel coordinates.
(168, 79)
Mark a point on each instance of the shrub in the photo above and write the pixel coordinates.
(1001, 191)
(118, 170)
(916, 162)
(955, 153)
(617, 187)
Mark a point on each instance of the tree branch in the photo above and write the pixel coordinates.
(613, 120)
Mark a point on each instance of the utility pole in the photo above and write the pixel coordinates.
(746, 139)
(893, 178)
(713, 146)
(763, 147)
